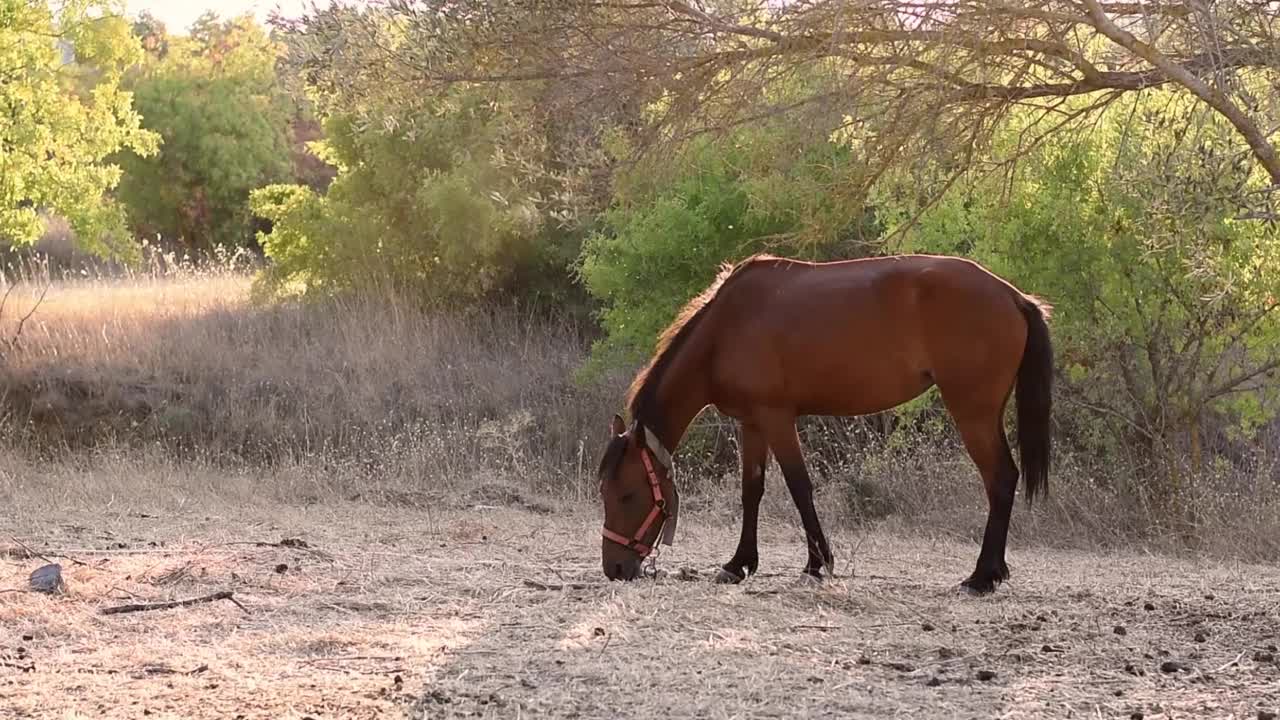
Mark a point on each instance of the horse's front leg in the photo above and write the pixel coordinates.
(781, 433)
(755, 456)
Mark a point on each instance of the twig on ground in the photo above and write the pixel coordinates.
(1233, 662)
(886, 625)
(388, 670)
(291, 543)
(324, 663)
(929, 667)
(555, 586)
(166, 670)
(143, 607)
(17, 666)
(354, 658)
(119, 589)
(33, 553)
(172, 576)
(116, 552)
(30, 552)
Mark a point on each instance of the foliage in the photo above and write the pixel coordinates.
(1165, 301)
(62, 115)
(669, 230)
(215, 99)
(917, 81)
(440, 204)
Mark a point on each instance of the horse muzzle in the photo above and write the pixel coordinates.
(622, 565)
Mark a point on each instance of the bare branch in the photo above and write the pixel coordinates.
(951, 70)
(5, 300)
(1186, 77)
(1235, 382)
(13, 341)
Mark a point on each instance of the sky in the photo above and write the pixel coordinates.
(177, 15)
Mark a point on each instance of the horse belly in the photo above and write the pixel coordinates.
(861, 385)
(853, 367)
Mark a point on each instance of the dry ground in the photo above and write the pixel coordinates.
(489, 611)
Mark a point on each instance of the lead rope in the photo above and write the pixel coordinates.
(651, 570)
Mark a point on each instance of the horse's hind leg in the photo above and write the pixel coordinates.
(984, 438)
(780, 430)
(755, 456)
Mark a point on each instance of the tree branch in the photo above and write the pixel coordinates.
(13, 341)
(1184, 76)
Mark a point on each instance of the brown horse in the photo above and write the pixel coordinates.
(773, 339)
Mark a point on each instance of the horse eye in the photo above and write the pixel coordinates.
(626, 498)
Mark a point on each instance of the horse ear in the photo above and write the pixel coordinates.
(617, 427)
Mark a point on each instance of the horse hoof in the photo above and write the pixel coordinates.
(727, 577)
(976, 588)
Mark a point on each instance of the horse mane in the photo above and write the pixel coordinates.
(642, 395)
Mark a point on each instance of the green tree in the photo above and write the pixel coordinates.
(62, 116)
(445, 203)
(1166, 313)
(918, 81)
(214, 98)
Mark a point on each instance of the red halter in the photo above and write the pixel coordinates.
(659, 508)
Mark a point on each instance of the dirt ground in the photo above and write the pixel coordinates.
(502, 612)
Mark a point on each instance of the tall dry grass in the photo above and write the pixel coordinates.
(366, 391)
(175, 367)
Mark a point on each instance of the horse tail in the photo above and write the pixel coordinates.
(1035, 397)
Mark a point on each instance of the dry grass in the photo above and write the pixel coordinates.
(161, 425)
(498, 612)
(174, 371)
(373, 389)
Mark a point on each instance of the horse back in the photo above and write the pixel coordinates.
(860, 336)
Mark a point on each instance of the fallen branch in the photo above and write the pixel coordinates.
(354, 658)
(877, 626)
(291, 543)
(166, 670)
(143, 607)
(555, 586)
(35, 554)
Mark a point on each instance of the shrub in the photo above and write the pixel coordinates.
(443, 206)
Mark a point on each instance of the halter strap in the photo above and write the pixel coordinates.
(653, 447)
(660, 453)
(659, 509)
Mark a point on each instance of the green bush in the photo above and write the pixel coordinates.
(669, 230)
(443, 205)
(1164, 321)
(215, 100)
